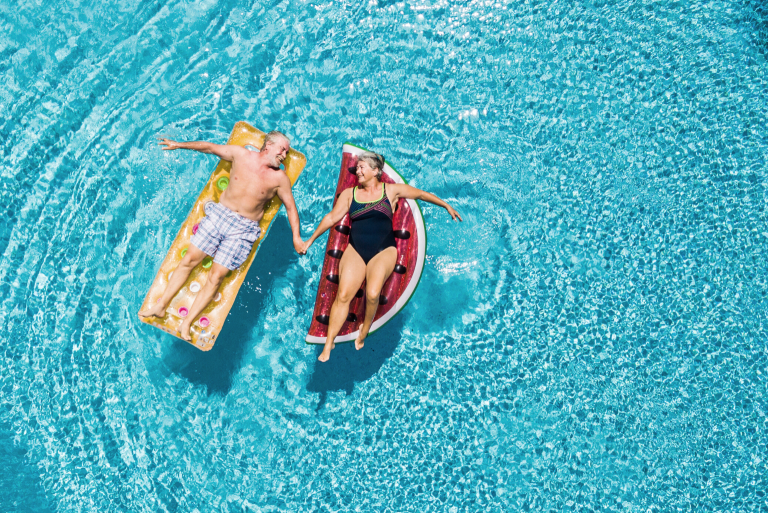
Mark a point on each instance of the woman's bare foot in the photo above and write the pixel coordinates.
(326, 354)
(157, 310)
(184, 331)
(360, 341)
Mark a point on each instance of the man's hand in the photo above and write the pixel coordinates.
(169, 144)
(300, 246)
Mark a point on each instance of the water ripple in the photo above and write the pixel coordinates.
(590, 337)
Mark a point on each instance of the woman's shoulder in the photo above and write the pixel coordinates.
(346, 194)
(394, 189)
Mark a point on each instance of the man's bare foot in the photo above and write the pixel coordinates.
(157, 310)
(360, 341)
(184, 331)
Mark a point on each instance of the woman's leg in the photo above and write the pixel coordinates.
(351, 274)
(379, 269)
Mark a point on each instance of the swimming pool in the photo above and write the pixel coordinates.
(592, 337)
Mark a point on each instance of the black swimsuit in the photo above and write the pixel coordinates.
(371, 230)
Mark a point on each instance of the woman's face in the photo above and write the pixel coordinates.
(364, 171)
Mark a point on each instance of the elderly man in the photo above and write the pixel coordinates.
(230, 227)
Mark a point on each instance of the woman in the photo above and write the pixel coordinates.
(372, 252)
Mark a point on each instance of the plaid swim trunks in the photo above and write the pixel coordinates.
(225, 235)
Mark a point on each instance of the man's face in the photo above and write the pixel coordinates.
(276, 152)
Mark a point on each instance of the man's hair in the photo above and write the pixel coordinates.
(273, 136)
(374, 160)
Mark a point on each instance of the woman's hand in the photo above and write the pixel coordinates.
(455, 215)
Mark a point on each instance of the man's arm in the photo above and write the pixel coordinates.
(286, 196)
(223, 151)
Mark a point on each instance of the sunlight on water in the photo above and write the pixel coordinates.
(592, 337)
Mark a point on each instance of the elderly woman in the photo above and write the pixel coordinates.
(372, 252)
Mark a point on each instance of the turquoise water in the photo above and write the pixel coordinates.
(592, 337)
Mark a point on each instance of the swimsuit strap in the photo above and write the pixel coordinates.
(382, 204)
(383, 193)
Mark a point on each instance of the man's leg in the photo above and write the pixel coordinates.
(379, 269)
(215, 276)
(193, 257)
(351, 274)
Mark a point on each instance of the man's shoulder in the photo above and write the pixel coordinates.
(278, 179)
(238, 150)
(280, 176)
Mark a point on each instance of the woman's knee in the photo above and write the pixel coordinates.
(344, 296)
(372, 294)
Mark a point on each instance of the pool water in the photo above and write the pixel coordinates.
(592, 337)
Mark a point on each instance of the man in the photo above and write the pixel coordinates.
(230, 227)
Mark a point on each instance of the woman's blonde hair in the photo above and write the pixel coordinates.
(374, 160)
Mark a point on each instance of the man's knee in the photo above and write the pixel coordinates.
(217, 275)
(192, 259)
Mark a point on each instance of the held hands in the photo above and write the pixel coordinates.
(305, 246)
(169, 144)
(300, 246)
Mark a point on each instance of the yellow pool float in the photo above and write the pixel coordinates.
(207, 327)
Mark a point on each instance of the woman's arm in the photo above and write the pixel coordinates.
(407, 192)
(333, 217)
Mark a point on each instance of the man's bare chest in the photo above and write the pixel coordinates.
(252, 183)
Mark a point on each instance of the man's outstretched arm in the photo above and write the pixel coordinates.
(223, 151)
(286, 196)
